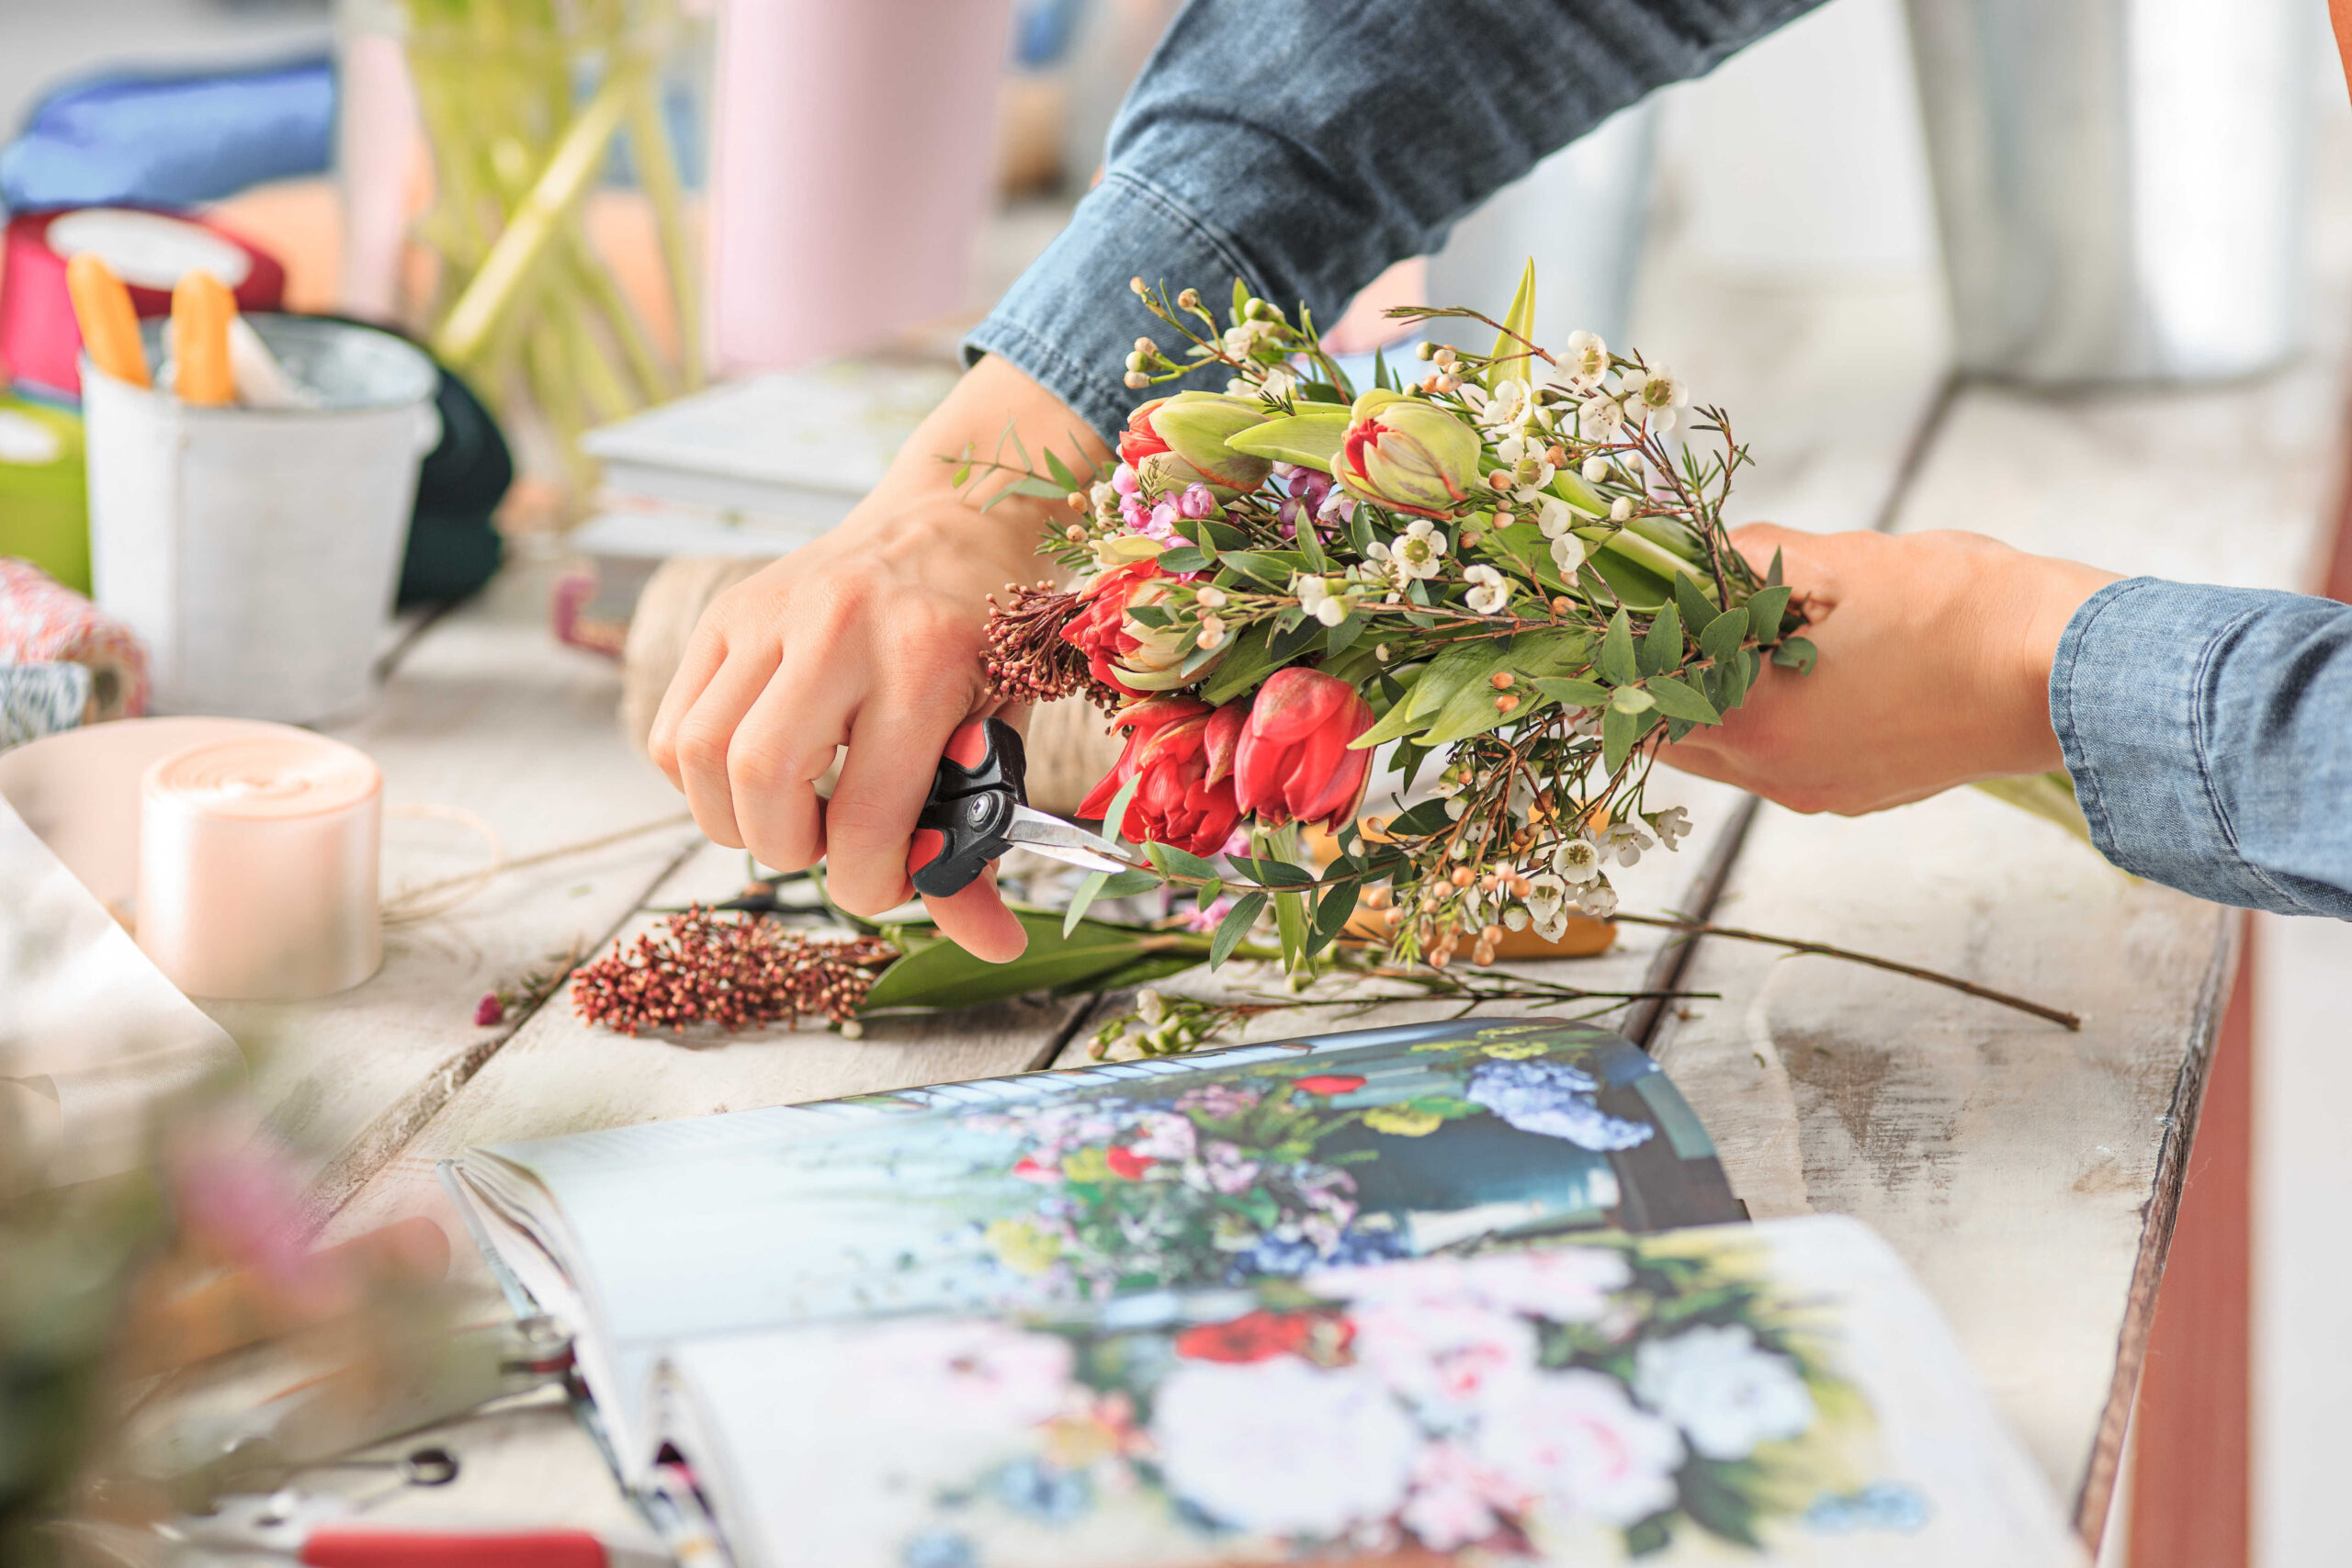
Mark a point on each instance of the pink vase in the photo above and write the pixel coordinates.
(853, 161)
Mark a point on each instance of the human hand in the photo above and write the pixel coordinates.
(1934, 671)
(869, 638)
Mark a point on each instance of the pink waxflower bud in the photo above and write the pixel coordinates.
(1197, 502)
(1292, 761)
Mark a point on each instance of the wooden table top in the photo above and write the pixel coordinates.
(2029, 1176)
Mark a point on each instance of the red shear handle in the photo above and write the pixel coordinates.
(346, 1546)
(971, 803)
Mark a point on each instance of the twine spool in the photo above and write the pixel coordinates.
(258, 866)
(43, 623)
(40, 700)
(1068, 747)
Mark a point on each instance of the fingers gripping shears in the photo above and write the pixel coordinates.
(979, 807)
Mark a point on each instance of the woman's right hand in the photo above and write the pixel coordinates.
(870, 638)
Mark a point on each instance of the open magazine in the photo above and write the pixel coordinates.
(727, 1277)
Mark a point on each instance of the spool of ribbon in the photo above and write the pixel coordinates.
(40, 700)
(39, 341)
(258, 866)
(44, 622)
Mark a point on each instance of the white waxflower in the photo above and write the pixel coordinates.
(1318, 599)
(1506, 407)
(1601, 417)
(1597, 899)
(1150, 1005)
(1567, 555)
(1670, 825)
(1282, 381)
(1244, 340)
(1515, 917)
(1595, 468)
(1489, 590)
(1656, 394)
(1584, 362)
(1547, 902)
(1554, 516)
(1621, 509)
(1576, 861)
(1419, 550)
(1625, 841)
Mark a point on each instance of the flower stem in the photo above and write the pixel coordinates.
(2071, 1022)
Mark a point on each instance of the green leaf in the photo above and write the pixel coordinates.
(1738, 675)
(1114, 816)
(1360, 530)
(1319, 392)
(1724, 635)
(1380, 375)
(1620, 731)
(1574, 693)
(1222, 535)
(1697, 603)
(1184, 557)
(1148, 970)
(1457, 666)
(1772, 578)
(1086, 892)
(1511, 353)
(1310, 545)
(1764, 613)
(1569, 486)
(1636, 586)
(1631, 700)
(1678, 701)
(940, 973)
(1061, 472)
(1209, 893)
(1796, 653)
(1338, 903)
(1619, 665)
(1662, 649)
(1240, 299)
(1249, 664)
(1235, 926)
(1157, 616)
(1271, 872)
(1178, 862)
(1311, 439)
(1266, 566)
(1341, 637)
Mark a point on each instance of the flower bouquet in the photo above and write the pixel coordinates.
(1516, 563)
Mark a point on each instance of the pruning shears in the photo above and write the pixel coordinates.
(979, 807)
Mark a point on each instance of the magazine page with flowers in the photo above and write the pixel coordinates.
(1780, 1392)
(1206, 1172)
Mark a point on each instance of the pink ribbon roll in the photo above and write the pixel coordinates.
(258, 866)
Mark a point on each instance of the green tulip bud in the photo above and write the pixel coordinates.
(1197, 425)
(1407, 455)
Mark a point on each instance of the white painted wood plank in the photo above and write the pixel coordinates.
(485, 713)
(559, 1074)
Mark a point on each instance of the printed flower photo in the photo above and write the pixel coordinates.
(1602, 1401)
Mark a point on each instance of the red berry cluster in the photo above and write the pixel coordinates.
(739, 971)
(1028, 659)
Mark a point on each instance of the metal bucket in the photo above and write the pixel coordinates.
(256, 551)
(2120, 183)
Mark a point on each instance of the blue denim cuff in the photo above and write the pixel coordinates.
(1071, 320)
(2208, 733)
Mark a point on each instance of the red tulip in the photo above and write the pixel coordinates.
(1139, 440)
(1183, 750)
(1293, 763)
(1124, 655)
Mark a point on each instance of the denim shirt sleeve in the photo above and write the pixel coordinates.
(2209, 732)
(1305, 146)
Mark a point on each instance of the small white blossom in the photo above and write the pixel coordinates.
(1567, 555)
(1210, 598)
(1576, 861)
(1601, 417)
(1318, 599)
(1547, 898)
(1625, 841)
(1506, 407)
(1489, 590)
(1584, 362)
(1419, 551)
(1455, 808)
(1670, 825)
(1656, 394)
(1554, 517)
(1150, 1005)
(1621, 509)
(1595, 468)
(1515, 917)
(1598, 899)
(1242, 341)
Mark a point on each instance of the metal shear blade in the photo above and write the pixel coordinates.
(1064, 842)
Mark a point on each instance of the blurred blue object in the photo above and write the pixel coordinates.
(1042, 30)
(171, 141)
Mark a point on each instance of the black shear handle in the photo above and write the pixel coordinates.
(981, 778)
